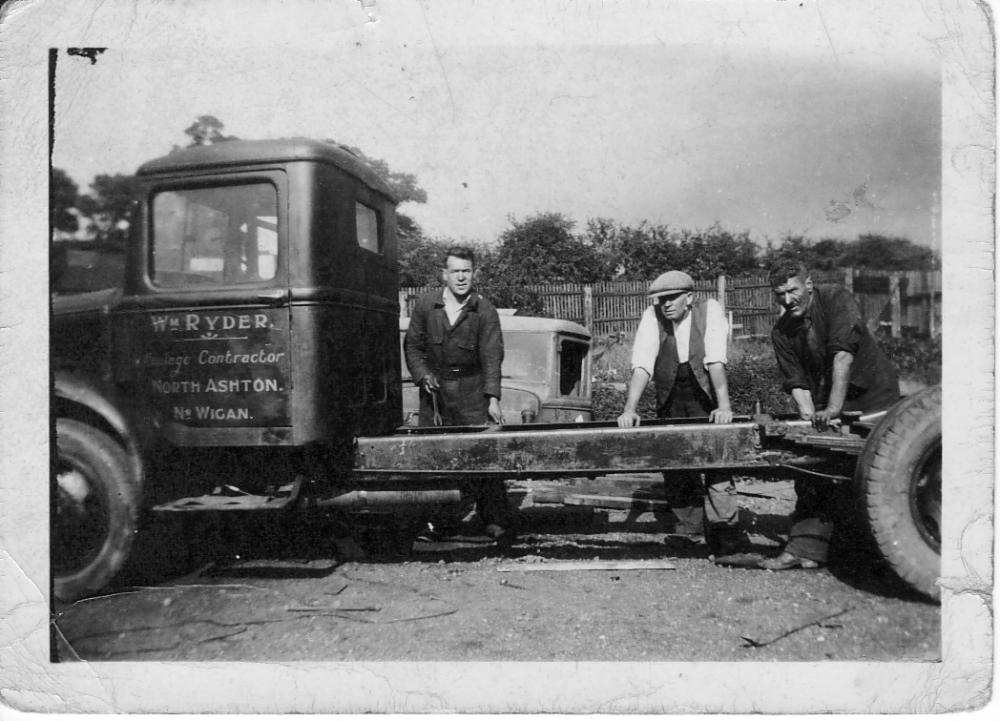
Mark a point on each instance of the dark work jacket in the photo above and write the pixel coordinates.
(805, 347)
(473, 346)
(667, 361)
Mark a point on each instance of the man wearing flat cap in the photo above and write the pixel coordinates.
(681, 346)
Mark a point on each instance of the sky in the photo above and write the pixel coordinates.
(820, 119)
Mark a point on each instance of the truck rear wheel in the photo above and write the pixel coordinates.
(899, 478)
(94, 510)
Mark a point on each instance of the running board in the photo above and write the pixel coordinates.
(230, 498)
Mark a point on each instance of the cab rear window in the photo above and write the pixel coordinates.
(366, 225)
(225, 235)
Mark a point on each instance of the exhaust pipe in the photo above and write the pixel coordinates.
(362, 500)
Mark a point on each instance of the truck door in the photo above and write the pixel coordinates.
(210, 323)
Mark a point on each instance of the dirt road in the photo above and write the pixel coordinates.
(276, 592)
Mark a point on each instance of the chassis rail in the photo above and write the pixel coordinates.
(600, 448)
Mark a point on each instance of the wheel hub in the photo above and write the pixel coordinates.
(80, 522)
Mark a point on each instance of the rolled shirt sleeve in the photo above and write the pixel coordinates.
(793, 374)
(716, 333)
(646, 344)
(844, 323)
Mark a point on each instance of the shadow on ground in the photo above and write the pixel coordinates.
(302, 545)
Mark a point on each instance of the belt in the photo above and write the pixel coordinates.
(452, 372)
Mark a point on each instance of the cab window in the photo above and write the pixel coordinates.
(366, 223)
(224, 235)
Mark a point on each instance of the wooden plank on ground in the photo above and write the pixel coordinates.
(625, 503)
(650, 565)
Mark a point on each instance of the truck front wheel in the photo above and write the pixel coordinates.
(899, 478)
(94, 510)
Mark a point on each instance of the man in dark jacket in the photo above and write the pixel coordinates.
(454, 349)
(830, 363)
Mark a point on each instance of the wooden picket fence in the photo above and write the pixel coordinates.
(891, 301)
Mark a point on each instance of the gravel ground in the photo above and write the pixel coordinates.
(284, 596)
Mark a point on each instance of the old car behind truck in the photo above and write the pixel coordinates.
(545, 376)
(250, 362)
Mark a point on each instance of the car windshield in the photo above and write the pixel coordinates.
(215, 236)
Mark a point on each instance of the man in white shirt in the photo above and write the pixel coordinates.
(681, 346)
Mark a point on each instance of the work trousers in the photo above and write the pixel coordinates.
(702, 502)
(460, 402)
(819, 508)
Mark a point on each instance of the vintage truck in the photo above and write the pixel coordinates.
(250, 362)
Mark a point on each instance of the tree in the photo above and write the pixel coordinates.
(543, 249)
(880, 252)
(632, 253)
(113, 194)
(823, 256)
(63, 194)
(871, 251)
(205, 130)
(644, 251)
(716, 251)
(420, 258)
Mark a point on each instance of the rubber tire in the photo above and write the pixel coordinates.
(908, 436)
(105, 465)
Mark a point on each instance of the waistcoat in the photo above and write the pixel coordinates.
(667, 362)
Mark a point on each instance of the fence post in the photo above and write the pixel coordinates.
(588, 307)
(895, 304)
(849, 279)
(721, 290)
(928, 278)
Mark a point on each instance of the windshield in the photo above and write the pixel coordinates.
(220, 236)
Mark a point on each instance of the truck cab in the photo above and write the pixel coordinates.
(262, 276)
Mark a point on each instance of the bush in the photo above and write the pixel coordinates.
(609, 400)
(753, 377)
(916, 359)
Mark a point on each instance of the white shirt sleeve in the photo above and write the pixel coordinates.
(716, 333)
(646, 345)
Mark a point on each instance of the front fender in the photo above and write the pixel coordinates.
(79, 397)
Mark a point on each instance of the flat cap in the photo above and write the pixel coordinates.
(673, 281)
